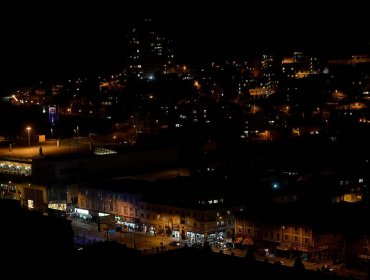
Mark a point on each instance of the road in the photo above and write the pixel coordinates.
(149, 243)
(88, 233)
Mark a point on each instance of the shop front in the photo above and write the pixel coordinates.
(126, 223)
(194, 237)
(83, 214)
(175, 231)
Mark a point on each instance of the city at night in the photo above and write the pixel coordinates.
(182, 141)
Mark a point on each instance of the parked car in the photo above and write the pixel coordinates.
(197, 245)
(174, 243)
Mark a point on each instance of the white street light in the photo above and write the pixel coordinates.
(28, 132)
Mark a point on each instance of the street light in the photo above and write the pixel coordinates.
(28, 132)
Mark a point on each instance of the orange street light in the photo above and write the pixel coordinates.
(28, 132)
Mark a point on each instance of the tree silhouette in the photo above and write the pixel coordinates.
(207, 247)
(298, 265)
(249, 256)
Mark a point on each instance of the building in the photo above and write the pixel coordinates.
(30, 195)
(283, 234)
(193, 215)
(107, 200)
(155, 207)
(269, 73)
(194, 222)
(148, 52)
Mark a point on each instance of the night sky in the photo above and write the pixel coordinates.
(56, 41)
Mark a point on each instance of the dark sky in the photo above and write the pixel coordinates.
(51, 40)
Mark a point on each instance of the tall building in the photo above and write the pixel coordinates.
(149, 53)
(269, 71)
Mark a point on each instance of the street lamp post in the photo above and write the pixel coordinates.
(77, 132)
(28, 133)
(164, 232)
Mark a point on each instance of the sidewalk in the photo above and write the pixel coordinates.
(337, 269)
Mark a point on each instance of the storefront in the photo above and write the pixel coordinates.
(175, 231)
(195, 237)
(57, 205)
(83, 214)
(127, 223)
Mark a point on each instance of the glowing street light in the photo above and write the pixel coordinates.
(28, 132)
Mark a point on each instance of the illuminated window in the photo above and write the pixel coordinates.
(30, 204)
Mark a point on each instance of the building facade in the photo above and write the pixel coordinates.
(289, 239)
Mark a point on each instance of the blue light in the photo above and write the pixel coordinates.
(275, 185)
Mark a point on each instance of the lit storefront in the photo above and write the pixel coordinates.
(176, 231)
(60, 206)
(195, 237)
(82, 213)
(15, 168)
(126, 223)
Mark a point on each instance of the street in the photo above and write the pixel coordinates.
(87, 233)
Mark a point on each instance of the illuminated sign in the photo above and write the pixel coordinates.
(53, 115)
